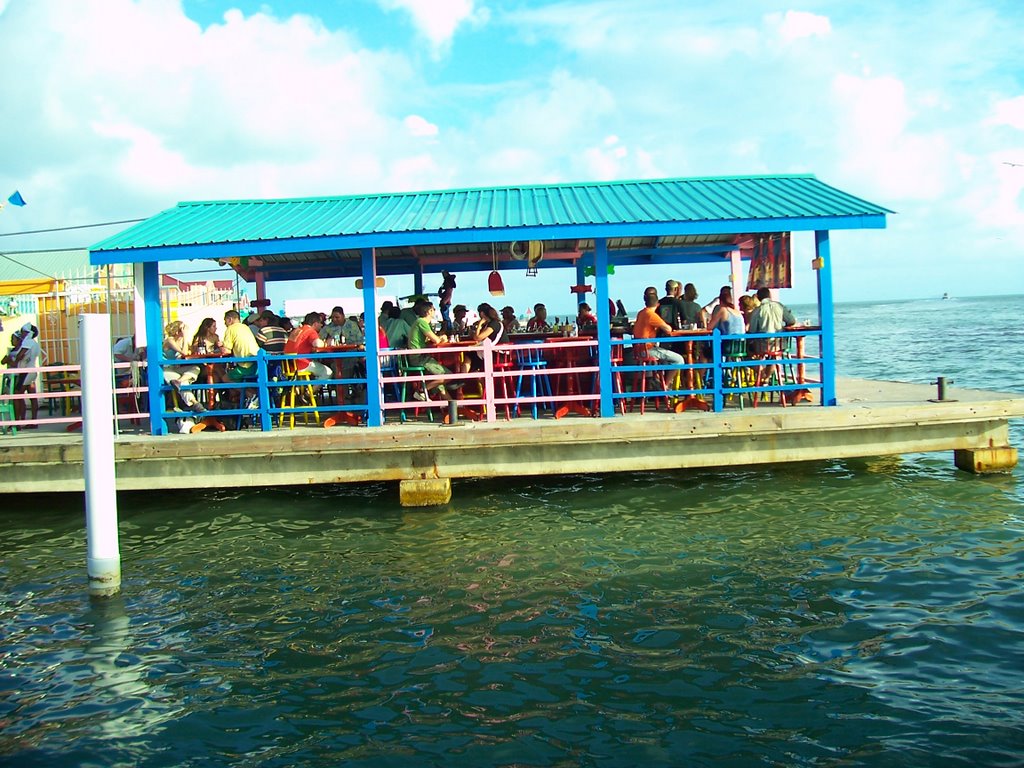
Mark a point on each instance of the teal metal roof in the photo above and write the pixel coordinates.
(705, 200)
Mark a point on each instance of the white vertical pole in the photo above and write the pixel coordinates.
(736, 277)
(104, 557)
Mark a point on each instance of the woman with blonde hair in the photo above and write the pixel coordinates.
(175, 348)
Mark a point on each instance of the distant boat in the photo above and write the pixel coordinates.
(945, 295)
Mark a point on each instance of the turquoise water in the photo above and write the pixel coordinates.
(862, 612)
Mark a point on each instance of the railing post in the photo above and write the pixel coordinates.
(716, 358)
(263, 382)
(489, 381)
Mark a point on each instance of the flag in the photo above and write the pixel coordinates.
(16, 198)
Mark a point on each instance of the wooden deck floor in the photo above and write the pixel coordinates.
(874, 418)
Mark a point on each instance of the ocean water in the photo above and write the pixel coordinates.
(865, 612)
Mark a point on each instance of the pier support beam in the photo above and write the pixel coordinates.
(432, 492)
(983, 461)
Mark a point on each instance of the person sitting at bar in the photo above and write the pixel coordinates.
(728, 320)
(269, 333)
(305, 340)
(238, 341)
(770, 316)
(422, 336)
(385, 313)
(648, 325)
(539, 322)
(510, 321)
(176, 348)
(693, 313)
(397, 329)
(670, 306)
(489, 326)
(585, 318)
(335, 329)
(206, 342)
(352, 330)
(747, 305)
(459, 325)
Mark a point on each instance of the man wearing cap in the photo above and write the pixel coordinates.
(26, 355)
(510, 321)
(459, 325)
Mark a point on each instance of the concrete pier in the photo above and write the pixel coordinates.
(873, 418)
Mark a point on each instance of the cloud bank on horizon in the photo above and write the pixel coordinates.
(121, 108)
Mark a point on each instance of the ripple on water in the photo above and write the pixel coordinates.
(861, 611)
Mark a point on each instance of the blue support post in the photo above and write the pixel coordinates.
(717, 372)
(154, 345)
(374, 414)
(581, 279)
(826, 309)
(263, 382)
(604, 327)
(417, 280)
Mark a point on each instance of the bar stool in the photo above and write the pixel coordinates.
(417, 373)
(293, 374)
(532, 359)
(735, 351)
(773, 373)
(503, 363)
(657, 375)
(243, 402)
(389, 370)
(617, 388)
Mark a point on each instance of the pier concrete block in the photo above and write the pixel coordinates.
(983, 461)
(432, 492)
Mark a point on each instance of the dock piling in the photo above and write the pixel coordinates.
(103, 561)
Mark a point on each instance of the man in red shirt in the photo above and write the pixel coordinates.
(306, 339)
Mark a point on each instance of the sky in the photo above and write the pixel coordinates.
(118, 109)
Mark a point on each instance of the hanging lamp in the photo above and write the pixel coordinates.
(494, 284)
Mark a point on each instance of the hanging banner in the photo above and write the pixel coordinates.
(771, 265)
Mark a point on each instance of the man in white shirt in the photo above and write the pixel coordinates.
(26, 355)
(769, 317)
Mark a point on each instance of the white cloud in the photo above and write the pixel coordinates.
(437, 20)
(419, 126)
(795, 25)
(1009, 112)
(877, 146)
